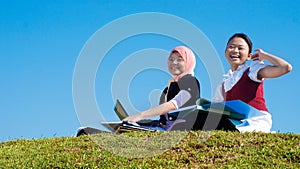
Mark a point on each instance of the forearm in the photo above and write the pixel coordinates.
(279, 67)
(276, 61)
(155, 111)
(158, 110)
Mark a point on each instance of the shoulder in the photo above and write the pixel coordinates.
(188, 77)
(255, 67)
(188, 81)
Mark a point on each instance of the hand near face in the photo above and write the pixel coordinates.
(258, 55)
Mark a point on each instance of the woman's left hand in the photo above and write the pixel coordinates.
(259, 55)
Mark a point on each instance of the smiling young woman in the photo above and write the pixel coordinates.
(183, 88)
(245, 83)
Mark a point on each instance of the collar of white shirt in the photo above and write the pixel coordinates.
(232, 77)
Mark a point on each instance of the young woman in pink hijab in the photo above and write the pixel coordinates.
(183, 88)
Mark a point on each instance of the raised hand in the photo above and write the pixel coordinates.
(259, 55)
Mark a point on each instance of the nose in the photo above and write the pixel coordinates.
(236, 49)
(173, 62)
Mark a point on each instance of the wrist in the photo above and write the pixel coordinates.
(141, 115)
(264, 55)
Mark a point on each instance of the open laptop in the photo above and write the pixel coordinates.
(123, 126)
(122, 114)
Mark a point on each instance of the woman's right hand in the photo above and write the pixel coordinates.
(134, 118)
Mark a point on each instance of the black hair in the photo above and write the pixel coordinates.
(243, 36)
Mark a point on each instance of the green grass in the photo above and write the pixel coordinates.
(199, 149)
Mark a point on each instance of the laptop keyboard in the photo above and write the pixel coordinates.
(148, 122)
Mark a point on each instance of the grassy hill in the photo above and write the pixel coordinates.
(199, 149)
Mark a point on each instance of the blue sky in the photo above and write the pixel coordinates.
(42, 40)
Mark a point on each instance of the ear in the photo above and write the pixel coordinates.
(249, 56)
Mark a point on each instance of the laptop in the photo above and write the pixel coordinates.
(124, 126)
(122, 114)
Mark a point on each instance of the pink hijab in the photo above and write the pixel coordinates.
(189, 59)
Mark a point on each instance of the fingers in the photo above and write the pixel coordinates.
(129, 118)
(254, 56)
(258, 50)
(132, 118)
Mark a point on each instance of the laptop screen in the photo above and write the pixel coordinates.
(120, 111)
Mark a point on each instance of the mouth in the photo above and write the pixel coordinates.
(174, 68)
(235, 56)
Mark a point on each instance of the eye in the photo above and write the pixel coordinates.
(230, 47)
(171, 59)
(179, 59)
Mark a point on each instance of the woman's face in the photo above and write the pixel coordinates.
(237, 52)
(176, 64)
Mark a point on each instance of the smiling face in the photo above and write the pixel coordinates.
(237, 52)
(176, 64)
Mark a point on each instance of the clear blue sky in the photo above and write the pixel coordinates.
(40, 42)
